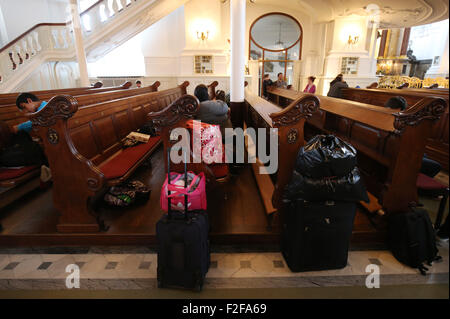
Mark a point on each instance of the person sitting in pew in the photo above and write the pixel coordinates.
(433, 86)
(212, 111)
(21, 149)
(27, 103)
(138, 84)
(280, 83)
(337, 79)
(266, 82)
(310, 87)
(336, 88)
(429, 167)
(373, 85)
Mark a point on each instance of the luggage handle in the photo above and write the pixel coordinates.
(169, 207)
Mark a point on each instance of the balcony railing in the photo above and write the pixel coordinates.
(55, 40)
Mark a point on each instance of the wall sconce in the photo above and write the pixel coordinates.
(202, 35)
(352, 40)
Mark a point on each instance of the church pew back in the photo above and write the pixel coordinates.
(390, 145)
(438, 143)
(79, 142)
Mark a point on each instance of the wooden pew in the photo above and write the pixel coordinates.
(289, 122)
(438, 143)
(11, 115)
(10, 98)
(390, 144)
(83, 147)
(212, 90)
(176, 115)
(94, 86)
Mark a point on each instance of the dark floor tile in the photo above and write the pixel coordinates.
(145, 265)
(278, 264)
(80, 264)
(11, 266)
(246, 264)
(111, 265)
(213, 264)
(375, 261)
(44, 265)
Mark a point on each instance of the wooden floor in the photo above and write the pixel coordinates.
(236, 212)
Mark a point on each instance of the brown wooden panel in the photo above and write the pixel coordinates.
(84, 141)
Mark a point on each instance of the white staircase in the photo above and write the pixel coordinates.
(104, 28)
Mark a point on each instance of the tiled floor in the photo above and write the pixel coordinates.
(228, 270)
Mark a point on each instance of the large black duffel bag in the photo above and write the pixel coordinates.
(316, 235)
(326, 155)
(348, 188)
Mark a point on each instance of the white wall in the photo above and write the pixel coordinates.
(21, 15)
(428, 41)
(124, 60)
(51, 75)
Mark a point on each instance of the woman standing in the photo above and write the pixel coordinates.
(310, 88)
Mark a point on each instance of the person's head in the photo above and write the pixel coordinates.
(138, 83)
(201, 92)
(373, 85)
(311, 79)
(266, 76)
(280, 76)
(433, 86)
(339, 78)
(27, 102)
(396, 102)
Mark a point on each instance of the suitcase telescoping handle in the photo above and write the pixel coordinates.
(169, 207)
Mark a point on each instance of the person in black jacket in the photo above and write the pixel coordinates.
(336, 85)
(266, 82)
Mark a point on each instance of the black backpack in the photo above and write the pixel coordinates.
(412, 239)
(22, 151)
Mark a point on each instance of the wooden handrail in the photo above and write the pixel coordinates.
(91, 7)
(45, 24)
(29, 31)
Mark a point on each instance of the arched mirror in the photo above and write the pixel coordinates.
(276, 41)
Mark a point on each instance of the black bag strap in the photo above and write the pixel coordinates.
(169, 206)
(431, 242)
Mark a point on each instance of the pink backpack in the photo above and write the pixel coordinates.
(195, 191)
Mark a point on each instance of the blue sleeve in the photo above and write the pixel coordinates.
(25, 126)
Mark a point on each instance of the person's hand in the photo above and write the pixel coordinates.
(15, 129)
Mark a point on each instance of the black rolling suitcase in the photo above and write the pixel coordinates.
(183, 247)
(316, 235)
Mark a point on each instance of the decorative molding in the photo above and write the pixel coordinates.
(184, 107)
(304, 107)
(59, 107)
(430, 108)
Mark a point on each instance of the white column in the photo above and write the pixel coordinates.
(237, 17)
(79, 46)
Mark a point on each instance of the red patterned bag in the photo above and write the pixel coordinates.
(210, 148)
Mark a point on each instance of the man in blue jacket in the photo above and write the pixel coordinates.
(27, 103)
